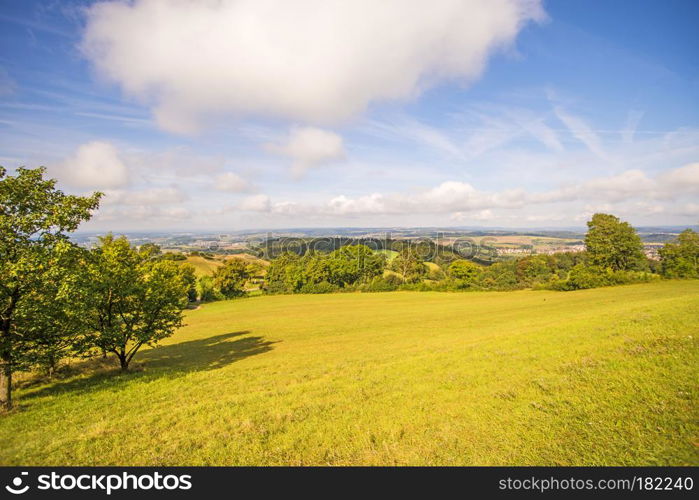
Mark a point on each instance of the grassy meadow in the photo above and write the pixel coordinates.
(202, 266)
(604, 376)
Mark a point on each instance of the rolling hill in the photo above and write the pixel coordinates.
(596, 377)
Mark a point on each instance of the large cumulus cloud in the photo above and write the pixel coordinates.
(313, 61)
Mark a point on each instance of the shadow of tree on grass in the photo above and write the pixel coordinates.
(172, 360)
(205, 354)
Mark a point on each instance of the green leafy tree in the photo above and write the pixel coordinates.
(35, 219)
(285, 274)
(205, 289)
(409, 265)
(466, 271)
(535, 269)
(680, 258)
(133, 299)
(151, 249)
(355, 264)
(317, 268)
(614, 244)
(55, 313)
(230, 278)
(190, 277)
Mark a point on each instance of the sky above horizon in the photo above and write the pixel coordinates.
(240, 114)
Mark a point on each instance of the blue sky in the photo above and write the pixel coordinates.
(266, 114)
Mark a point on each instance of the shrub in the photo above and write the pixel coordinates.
(173, 256)
(380, 284)
(322, 287)
(582, 277)
(680, 258)
(230, 278)
(206, 290)
(465, 271)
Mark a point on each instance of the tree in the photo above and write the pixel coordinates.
(466, 271)
(35, 218)
(409, 266)
(230, 278)
(317, 268)
(355, 263)
(284, 274)
(680, 258)
(55, 314)
(132, 300)
(205, 289)
(614, 244)
(190, 277)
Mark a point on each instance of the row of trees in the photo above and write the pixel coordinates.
(614, 255)
(318, 272)
(680, 258)
(57, 299)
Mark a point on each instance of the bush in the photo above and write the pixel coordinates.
(206, 290)
(465, 271)
(322, 287)
(380, 284)
(393, 279)
(229, 279)
(583, 277)
(173, 256)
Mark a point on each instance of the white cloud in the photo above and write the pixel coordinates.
(310, 147)
(632, 120)
(545, 134)
(148, 213)
(152, 196)
(680, 180)
(632, 187)
(612, 188)
(256, 203)
(94, 165)
(409, 129)
(231, 182)
(688, 210)
(482, 215)
(581, 131)
(316, 61)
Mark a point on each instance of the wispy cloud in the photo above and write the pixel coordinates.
(581, 131)
(632, 120)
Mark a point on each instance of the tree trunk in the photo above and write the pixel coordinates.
(124, 362)
(5, 385)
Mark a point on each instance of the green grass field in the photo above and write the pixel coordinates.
(604, 377)
(202, 266)
(390, 254)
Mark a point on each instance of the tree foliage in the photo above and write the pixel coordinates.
(614, 244)
(317, 272)
(35, 219)
(132, 298)
(230, 278)
(466, 271)
(409, 265)
(680, 258)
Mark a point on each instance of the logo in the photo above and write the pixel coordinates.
(17, 483)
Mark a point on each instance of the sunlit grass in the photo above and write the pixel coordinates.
(606, 376)
(203, 266)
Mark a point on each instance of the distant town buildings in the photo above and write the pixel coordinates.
(650, 250)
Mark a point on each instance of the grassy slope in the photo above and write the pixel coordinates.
(390, 254)
(606, 376)
(202, 266)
